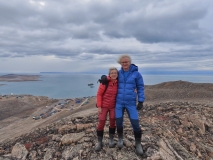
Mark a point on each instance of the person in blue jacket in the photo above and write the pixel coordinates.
(130, 91)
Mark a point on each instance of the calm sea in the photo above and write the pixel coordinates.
(76, 86)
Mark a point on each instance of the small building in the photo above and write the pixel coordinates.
(36, 117)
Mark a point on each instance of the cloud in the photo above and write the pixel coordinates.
(90, 34)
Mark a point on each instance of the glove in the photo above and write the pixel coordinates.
(104, 80)
(140, 105)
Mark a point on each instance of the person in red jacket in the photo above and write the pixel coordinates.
(106, 97)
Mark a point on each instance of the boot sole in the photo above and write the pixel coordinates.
(120, 146)
(112, 146)
(97, 150)
(139, 154)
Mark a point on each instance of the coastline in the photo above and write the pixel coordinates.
(72, 86)
(18, 78)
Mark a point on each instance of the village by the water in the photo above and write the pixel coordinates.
(67, 104)
(58, 106)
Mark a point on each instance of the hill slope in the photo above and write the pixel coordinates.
(176, 121)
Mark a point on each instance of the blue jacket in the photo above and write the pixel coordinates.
(127, 88)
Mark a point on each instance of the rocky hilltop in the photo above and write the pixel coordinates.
(177, 124)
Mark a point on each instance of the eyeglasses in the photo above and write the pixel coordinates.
(125, 62)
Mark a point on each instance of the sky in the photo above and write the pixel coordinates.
(88, 36)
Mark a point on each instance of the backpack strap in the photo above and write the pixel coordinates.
(106, 86)
(103, 80)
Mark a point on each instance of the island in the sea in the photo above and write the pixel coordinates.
(18, 78)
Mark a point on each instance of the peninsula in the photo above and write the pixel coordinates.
(18, 78)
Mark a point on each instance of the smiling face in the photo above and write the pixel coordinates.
(113, 74)
(125, 63)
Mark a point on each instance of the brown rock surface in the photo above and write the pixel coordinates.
(177, 123)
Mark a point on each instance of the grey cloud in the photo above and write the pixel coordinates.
(4, 55)
(126, 20)
(179, 26)
(68, 29)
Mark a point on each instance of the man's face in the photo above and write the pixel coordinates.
(125, 63)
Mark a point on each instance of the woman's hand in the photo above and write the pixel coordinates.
(99, 110)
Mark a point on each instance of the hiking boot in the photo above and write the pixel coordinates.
(100, 143)
(111, 137)
(139, 149)
(120, 137)
(138, 146)
(120, 140)
(111, 141)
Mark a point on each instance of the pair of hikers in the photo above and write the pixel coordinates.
(117, 93)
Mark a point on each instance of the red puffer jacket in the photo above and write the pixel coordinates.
(107, 99)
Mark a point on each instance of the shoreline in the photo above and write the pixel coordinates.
(19, 78)
(185, 87)
(30, 95)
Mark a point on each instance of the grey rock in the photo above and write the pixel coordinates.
(19, 151)
(49, 154)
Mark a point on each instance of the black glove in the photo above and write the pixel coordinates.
(140, 105)
(103, 80)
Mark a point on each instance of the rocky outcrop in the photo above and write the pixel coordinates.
(19, 151)
(171, 131)
(179, 90)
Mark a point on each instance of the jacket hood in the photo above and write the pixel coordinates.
(132, 68)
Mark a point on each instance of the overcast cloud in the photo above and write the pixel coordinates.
(89, 35)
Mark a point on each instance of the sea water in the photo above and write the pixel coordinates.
(76, 86)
